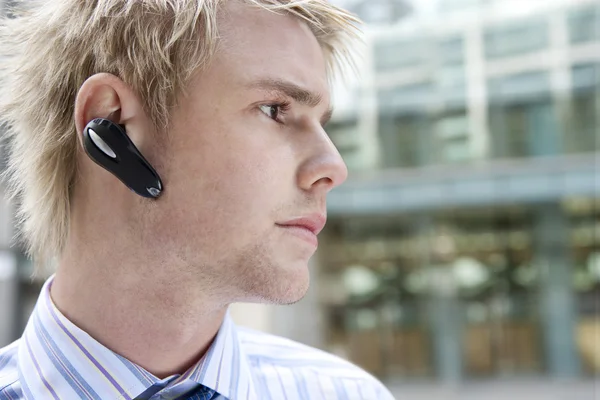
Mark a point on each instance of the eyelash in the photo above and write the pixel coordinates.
(282, 107)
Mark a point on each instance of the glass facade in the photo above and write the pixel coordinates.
(515, 38)
(393, 54)
(446, 6)
(584, 24)
(467, 288)
(474, 253)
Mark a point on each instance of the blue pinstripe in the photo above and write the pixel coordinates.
(301, 381)
(11, 393)
(143, 377)
(62, 364)
(340, 389)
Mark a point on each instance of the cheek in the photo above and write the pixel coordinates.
(240, 160)
(232, 172)
(224, 186)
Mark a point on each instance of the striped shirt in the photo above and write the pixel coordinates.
(56, 360)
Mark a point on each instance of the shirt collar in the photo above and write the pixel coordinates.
(57, 359)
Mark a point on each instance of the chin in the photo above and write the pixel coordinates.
(293, 295)
(283, 285)
(270, 274)
(295, 283)
(287, 292)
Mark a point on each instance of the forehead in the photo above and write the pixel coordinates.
(257, 43)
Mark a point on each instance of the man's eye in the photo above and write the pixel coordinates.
(272, 111)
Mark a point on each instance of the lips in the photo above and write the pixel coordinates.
(313, 223)
(306, 228)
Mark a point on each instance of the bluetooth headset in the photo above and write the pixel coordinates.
(108, 145)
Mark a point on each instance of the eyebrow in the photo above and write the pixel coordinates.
(295, 92)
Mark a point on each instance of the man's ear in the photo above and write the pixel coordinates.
(105, 96)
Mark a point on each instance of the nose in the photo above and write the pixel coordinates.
(323, 168)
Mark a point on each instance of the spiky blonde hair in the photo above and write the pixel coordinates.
(48, 48)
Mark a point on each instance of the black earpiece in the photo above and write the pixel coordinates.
(109, 146)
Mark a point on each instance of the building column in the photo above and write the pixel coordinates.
(560, 75)
(446, 325)
(560, 67)
(557, 299)
(477, 92)
(443, 309)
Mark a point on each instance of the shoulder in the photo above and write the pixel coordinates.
(9, 373)
(278, 358)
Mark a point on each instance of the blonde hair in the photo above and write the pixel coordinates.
(49, 48)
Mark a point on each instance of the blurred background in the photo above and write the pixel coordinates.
(462, 257)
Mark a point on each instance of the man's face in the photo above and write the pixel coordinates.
(247, 156)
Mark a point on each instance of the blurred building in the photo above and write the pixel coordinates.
(466, 242)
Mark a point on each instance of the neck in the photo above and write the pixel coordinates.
(136, 308)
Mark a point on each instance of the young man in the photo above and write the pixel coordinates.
(226, 100)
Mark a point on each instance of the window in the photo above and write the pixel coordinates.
(406, 99)
(509, 132)
(390, 55)
(582, 125)
(381, 11)
(404, 140)
(451, 76)
(583, 121)
(584, 24)
(519, 88)
(346, 139)
(525, 130)
(451, 51)
(586, 77)
(517, 38)
(459, 5)
(453, 136)
(452, 85)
